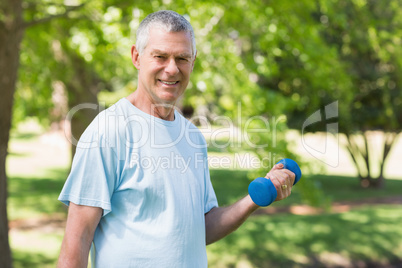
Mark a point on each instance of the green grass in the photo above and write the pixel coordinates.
(232, 185)
(24, 259)
(31, 197)
(36, 248)
(368, 236)
(36, 174)
(348, 188)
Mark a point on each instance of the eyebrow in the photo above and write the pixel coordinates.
(163, 53)
(159, 52)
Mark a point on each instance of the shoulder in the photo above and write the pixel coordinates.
(193, 134)
(104, 127)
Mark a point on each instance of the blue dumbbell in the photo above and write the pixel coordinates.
(263, 192)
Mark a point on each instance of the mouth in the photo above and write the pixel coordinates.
(168, 83)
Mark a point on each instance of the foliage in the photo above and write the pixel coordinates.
(364, 38)
(88, 42)
(260, 62)
(270, 59)
(304, 56)
(222, 90)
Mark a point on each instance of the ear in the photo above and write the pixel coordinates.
(195, 57)
(135, 57)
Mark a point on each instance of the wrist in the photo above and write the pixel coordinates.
(251, 205)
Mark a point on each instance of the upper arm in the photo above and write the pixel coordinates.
(82, 221)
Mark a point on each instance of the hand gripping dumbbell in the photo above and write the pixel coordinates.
(263, 192)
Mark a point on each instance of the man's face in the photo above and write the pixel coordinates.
(165, 65)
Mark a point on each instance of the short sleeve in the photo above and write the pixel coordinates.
(210, 196)
(93, 175)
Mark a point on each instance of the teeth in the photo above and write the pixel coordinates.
(168, 83)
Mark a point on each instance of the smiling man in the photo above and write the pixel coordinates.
(128, 202)
(164, 68)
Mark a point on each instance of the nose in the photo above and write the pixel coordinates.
(171, 67)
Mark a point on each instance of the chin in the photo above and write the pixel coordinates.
(169, 98)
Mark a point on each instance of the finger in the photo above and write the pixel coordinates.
(291, 175)
(275, 167)
(284, 176)
(283, 184)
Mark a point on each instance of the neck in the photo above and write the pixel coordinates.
(145, 103)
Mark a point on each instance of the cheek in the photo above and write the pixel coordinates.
(153, 67)
(187, 71)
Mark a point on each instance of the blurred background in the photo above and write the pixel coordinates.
(317, 81)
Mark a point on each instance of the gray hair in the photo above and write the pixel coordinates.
(167, 20)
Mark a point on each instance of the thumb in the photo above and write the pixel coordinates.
(277, 166)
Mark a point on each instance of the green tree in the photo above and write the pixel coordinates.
(75, 57)
(10, 39)
(13, 25)
(262, 58)
(306, 55)
(365, 38)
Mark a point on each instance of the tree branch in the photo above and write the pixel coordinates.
(389, 142)
(389, 139)
(353, 153)
(366, 153)
(51, 17)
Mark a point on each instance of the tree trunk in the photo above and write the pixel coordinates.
(389, 141)
(11, 33)
(82, 90)
(356, 152)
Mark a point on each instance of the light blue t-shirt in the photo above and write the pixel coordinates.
(150, 176)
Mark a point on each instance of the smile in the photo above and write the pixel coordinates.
(168, 82)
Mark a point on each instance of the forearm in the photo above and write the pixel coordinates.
(221, 221)
(80, 228)
(74, 253)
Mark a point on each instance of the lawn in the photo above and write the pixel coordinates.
(364, 236)
(367, 236)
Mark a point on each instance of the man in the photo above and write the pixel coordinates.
(139, 186)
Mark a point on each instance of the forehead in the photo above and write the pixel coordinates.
(169, 42)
